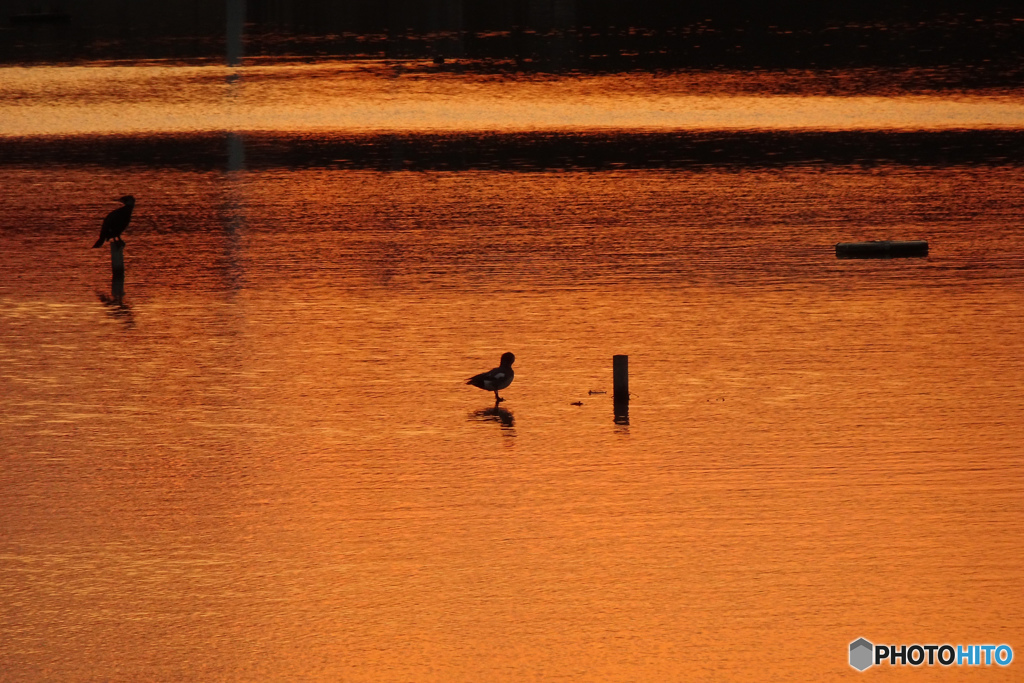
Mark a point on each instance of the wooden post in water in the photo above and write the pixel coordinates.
(117, 258)
(620, 378)
(117, 289)
(620, 383)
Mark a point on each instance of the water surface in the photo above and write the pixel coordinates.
(373, 96)
(260, 461)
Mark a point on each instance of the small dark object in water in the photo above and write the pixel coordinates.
(576, 403)
(592, 392)
(882, 249)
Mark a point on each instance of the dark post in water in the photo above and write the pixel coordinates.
(117, 258)
(620, 378)
(620, 383)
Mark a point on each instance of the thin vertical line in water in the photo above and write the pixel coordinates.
(235, 13)
(236, 152)
(234, 206)
(234, 189)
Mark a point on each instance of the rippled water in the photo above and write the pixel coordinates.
(260, 460)
(370, 96)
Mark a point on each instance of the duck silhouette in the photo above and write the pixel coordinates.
(497, 378)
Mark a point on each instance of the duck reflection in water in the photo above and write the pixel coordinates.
(495, 414)
(115, 304)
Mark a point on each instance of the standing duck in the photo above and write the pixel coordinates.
(496, 379)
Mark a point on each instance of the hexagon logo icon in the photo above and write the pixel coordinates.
(861, 654)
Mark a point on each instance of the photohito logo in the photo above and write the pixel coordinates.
(863, 654)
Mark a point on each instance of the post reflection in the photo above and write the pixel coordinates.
(234, 208)
(622, 412)
(115, 303)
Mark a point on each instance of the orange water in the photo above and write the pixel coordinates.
(386, 96)
(261, 461)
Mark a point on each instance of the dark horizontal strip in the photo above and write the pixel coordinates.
(555, 34)
(527, 152)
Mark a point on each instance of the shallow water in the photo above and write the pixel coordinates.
(261, 461)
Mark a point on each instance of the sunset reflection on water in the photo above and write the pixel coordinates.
(259, 459)
(380, 96)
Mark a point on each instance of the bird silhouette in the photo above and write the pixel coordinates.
(496, 379)
(116, 221)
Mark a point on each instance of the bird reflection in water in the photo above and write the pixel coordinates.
(496, 414)
(115, 304)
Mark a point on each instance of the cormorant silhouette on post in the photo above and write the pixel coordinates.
(496, 379)
(116, 221)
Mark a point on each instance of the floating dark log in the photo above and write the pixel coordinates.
(882, 249)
